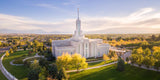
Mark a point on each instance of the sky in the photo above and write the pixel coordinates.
(97, 16)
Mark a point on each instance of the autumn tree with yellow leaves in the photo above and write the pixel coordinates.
(78, 61)
(64, 61)
(7, 53)
(105, 57)
(75, 61)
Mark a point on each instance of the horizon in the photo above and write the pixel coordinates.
(59, 17)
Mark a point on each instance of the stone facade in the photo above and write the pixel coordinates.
(79, 44)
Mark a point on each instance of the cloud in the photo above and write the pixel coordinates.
(145, 20)
(72, 2)
(46, 6)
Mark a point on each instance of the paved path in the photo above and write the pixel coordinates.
(15, 64)
(33, 57)
(8, 75)
(144, 67)
(93, 67)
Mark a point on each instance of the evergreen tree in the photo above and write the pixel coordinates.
(120, 65)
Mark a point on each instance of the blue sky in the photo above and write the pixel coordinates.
(54, 15)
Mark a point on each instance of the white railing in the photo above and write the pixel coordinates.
(5, 72)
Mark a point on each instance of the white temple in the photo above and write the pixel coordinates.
(79, 44)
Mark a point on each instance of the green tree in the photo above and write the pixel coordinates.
(120, 65)
(62, 74)
(43, 62)
(34, 71)
(53, 71)
(43, 74)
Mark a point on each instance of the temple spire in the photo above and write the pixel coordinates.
(78, 12)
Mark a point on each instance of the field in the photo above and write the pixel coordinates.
(110, 73)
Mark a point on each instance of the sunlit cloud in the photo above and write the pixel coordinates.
(145, 20)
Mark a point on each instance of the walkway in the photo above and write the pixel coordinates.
(93, 67)
(8, 75)
(33, 57)
(144, 67)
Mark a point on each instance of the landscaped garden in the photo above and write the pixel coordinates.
(19, 72)
(104, 73)
(110, 73)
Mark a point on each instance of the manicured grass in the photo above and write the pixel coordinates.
(2, 77)
(110, 73)
(99, 63)
(19, 72)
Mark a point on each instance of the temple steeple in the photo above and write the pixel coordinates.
(78, 12)
(78, 32)
(78, 24)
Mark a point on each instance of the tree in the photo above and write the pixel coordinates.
(140, 59)
(134, 51)
(53, 71)
(133, 58)
(115, 57)
(62, 74)
(43, 74)
(149, 61)
(14, 48)
(157, 65)
(7, 53)
(147, 52)
(43, 62)
(78, 62)
(34, 71)
(24, 48)
(63, 61)
(11, 50)
(105, 57)
(127, 60)
(140, 50)
(120, 65)
(153, 37)
(0, 43)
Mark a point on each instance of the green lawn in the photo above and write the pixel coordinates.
(19, 72)
(2, 77)
(110, 73)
